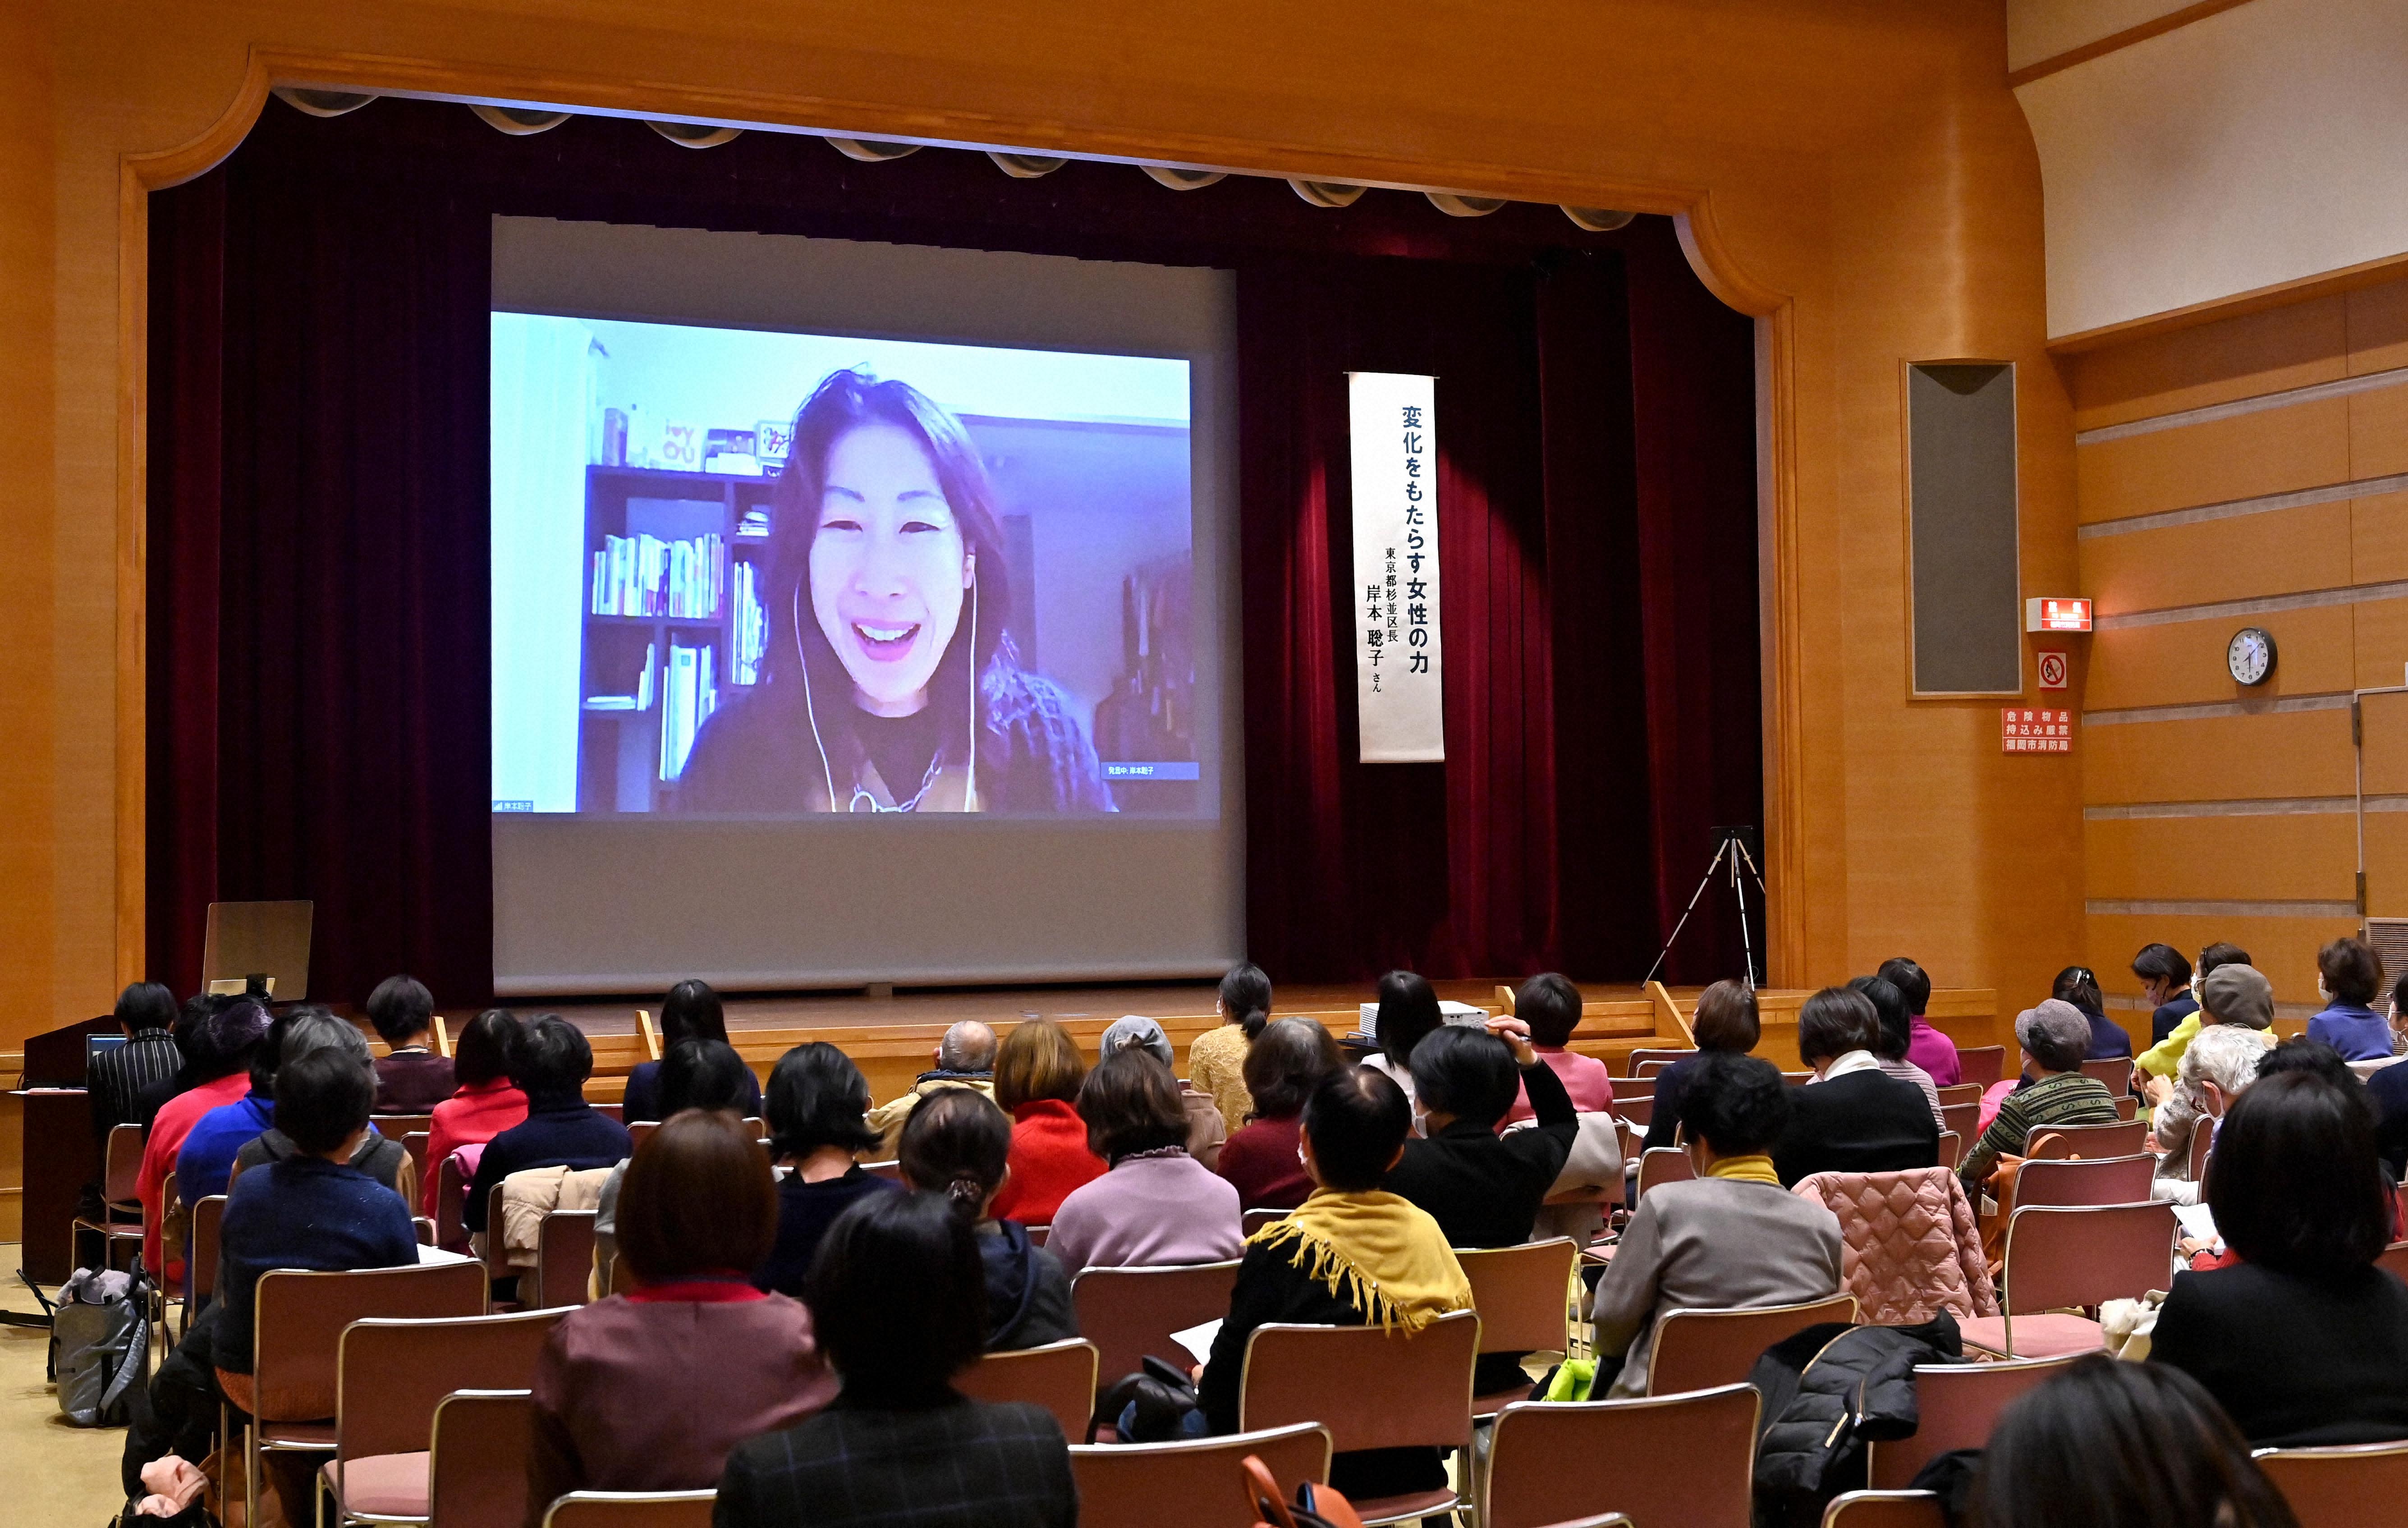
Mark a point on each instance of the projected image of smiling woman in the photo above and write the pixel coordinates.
(891, 683)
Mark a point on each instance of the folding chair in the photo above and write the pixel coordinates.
(1684, 1461)
(2058, 1256)
(890, 1171)
(1128, 1313)
(564, 1260)
(1960, 1093)
(2340, 1487)
(121, 1221)
(415, 1143)
(450, 1199)
(1952, 1149)
(2114, 1072)
(1982, 1064)
(2128, 1108)
(1372, 1388)
(2085, 1181)
(2123, 1138)
(1885, 1509)
(201, 1268)
(1639, 1112)
(476, 1471)
(632, 1510)
(1647, 1060)
(2202, 1142)
(390, 1378)
(1663, 1165)
(1959, 1404)
(640, 1132)
(1523, 1295)
(1193, 1484)
(297, 1330)
(1962, 1117)
(1699, 1349)
(397, 1126)
(610, 1111)
(1254, 1220)
(1060, 1377)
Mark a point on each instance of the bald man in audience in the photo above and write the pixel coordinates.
(964, 1057)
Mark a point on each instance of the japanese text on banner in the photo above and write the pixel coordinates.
(1397, 668)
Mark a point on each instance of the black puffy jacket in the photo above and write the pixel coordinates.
(1828, 1392)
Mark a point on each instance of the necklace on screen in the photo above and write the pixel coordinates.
(827, 774)
(861, 793)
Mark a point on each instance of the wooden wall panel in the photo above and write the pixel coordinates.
(2273, 451)
(2383, 720)
(2281, 551)
(2387, 864)
(2282, 948)
(2378, 432)
(2182, 663)
(2378, 528)
(2306, 856)
(2381, 638)
(2378, 328)
(2218, 758)
(2246, 357)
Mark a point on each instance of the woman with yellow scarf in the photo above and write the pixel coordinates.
(1351, 1255)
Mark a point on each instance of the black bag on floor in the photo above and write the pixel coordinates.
(100, 1344)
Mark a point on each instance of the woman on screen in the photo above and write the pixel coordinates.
(887, 594)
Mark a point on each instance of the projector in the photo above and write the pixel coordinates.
(1452, 1013)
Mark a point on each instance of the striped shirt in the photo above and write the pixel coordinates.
(117, 1075)
(2063, 1098)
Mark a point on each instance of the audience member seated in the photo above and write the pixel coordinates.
(549, 1061)
(2165, 985)
(958, 1143)
(116, 1077)
(1351, 1255)
(2235, 995)
(2079, 986)
(305, 1031)
(1263, 1159)
(817, 1102)
(1733, 1236)
(1216, 1059)
(1206, 1128)
(2114, 1444)
(310, 1210)
(487, 1101)
(2388, 1088)
(190, 1019)
(897, 1297)
(1157, 1205)
(2054, 1036)
(1483, 1189)
(1407, 1012)
(2348, 975)
(1036, 1076)
(694, 1074)
(2159, 1062)
(1927, 1047)
(412, 1078)
(2304, 1340)
(221, 1056)
(1551, 1005)
(1724, 1021)
(1853, 1117)
(964, 1057)
(1896, 1034)
(692, 1011)
(649, 1391)
(2220, 1063)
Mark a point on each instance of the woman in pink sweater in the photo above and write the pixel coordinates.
(1158, 1205)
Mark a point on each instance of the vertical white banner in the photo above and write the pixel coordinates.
(1394, 432)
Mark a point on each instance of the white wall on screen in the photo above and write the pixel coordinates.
(542, 403)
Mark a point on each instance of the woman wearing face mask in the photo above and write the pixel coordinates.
(890, 684)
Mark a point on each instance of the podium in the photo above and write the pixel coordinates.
(58, 1156)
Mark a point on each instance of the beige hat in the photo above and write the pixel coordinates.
(2238, 995)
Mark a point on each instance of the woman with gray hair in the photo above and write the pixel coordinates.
(2054, 1036)
(308, 1030)
(2220, 1061)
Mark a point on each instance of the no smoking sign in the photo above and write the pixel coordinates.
(2053, 670)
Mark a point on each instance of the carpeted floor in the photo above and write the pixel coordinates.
(51, 1475)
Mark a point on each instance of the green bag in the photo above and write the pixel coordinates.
(1573, 1381)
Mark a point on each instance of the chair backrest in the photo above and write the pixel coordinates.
(632, 1510)
(2121, 1139)
(890, 1171)
(1982, 1064)
(2061, 1255)
(1699, 1349)
(2202, 1141)
(477, 1475)
(2115, 1072)
(1952, 1149)
(1885, 1509)
(200, 1272)
(1193, 1484)
(1662, 1164)
(298, 1328)
(1128, 1313)
(1649, 1060)
(1960, 1093)
(2395, 1258)
(2087, 1181)
(391, 1374)
(1958, 1402)
(1060, 1377)
(1254, 1220)
(1627, 1088)
(394, 1126)
(497, 1251)
(451, 1216)
(1373, 1388)
(1962, 1117)
(638, 1132)
(564, 1258)
(415, 1143)
(2126, 1106)
(2340, 1487)
(1639, 1112)
(612, 1111)
(1522, 1293)
(1668, 1462)
(124, 1167)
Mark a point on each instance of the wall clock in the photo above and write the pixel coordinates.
(2250, 654)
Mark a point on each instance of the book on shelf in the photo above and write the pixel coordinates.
(643, 575)
(750, 640)
(689, 694)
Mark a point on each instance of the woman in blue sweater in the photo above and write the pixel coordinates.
(2348, 975)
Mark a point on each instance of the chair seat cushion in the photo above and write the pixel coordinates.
(1412, 1505)
(2036, 1336)
(381, 1485)
(1482, 1405)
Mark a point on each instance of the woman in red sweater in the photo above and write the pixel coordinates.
(487, 1101)
(1036, 1077)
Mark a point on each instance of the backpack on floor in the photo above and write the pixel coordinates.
(100, 1344)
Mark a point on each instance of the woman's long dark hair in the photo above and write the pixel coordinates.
(1246, 998)
(1408, 1010)
(843, 402)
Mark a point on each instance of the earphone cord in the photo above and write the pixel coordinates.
(827, 774)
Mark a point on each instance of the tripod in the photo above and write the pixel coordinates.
(1730, 857)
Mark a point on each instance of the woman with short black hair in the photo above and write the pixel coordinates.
(411, 1079)
(550, 1060)
(1407, 1013)
(817, 1101)
(486, 1101)
(691, 1011)
(1896, 1034)
(2079, 986)
(1724, 1020)
(896, 1292)
(2348, 975)
(1852, 1116)
(1286, 1062)
(2165, 985)
(1155, 1205)
(958, 1143)
(2306, 1339)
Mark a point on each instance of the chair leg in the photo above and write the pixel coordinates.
(250, 1475)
